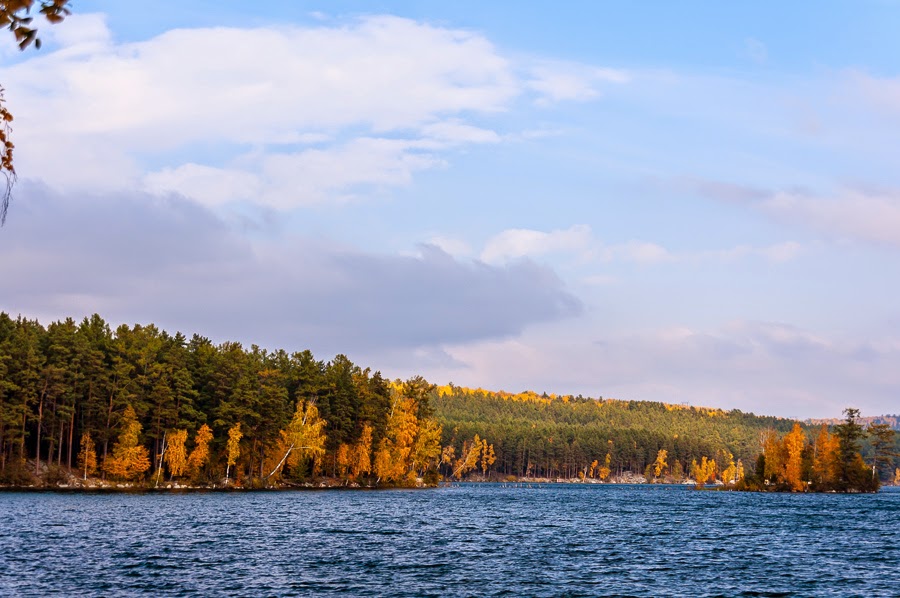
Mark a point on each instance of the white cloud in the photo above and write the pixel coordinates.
(640, 252)
(558, 81)
(860, 214)
(578, 243)
(871, 217)
(382, 97)
(777, 252)
(517, 243)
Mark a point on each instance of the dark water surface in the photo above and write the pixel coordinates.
(475, 540)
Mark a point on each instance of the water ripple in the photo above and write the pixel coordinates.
(470, 540)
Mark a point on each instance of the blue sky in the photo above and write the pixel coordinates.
(686, 203)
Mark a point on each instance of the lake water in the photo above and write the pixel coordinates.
(469, 540)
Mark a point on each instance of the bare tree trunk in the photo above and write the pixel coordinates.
(37, 448)
(280, 463)
(62, 435)
(71, 437)
(161, 455)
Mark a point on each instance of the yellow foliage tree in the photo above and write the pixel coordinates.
(176, 454)
(392, 463)
(603, 472)
(410, 444)
(487, 456)
(468, 460)
(711, 470)
(729, 474)
(703, 472)
(660, 465)
(304, 436)
(448, 454)
(200, 455)
(897, 477)
(342, 459)
(233, 448)
(87, 457)
(362, 453)
(129, 459)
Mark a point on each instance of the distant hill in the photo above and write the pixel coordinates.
(892, 420)
(559, 436)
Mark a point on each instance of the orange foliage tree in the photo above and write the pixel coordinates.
(129, 459)
(794, 443)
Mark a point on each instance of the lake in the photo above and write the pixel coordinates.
(466, 540)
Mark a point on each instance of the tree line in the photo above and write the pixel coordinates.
(139, 404)
(564, 436)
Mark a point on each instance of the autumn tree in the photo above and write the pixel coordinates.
(176, 453)
(129, 458)
(604, 471)
(87, 457)
(826, 459)
(660, 465)
(411, 442)
(200, 454)
(233, 448)
(794, 443)
(469, 458)
(303, 438)
(361, 458)
(342, 459)
(704, 471)
(487, 456)
(729, 474)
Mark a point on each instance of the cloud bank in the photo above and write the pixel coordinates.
(175, 263)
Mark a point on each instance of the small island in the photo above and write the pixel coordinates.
(831, 462)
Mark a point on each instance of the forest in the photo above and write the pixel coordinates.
(140, 405)
(80, 401)
(830, 460)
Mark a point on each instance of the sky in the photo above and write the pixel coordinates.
(683, 202)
